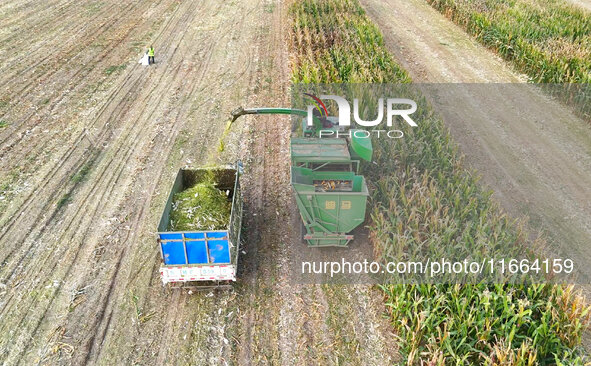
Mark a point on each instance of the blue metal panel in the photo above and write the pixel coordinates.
(217, 234)
(195, 235)
(219, 251)
(173, 252)
(171, 236)
(196, 251)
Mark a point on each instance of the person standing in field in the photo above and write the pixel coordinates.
(151, 55)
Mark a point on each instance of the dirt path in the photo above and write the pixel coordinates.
(533, 152)
(91, 145)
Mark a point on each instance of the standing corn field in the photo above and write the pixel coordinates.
(548, 40)
(426, 198)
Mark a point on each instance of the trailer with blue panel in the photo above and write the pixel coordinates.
(202, 255)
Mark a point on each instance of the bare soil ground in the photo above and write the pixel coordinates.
(90, 145)
(532, 151)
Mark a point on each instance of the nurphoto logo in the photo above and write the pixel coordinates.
(332, 128)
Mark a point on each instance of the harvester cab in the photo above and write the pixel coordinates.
(330, 194)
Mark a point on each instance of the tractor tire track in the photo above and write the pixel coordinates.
(73, 79)
(125, 101)
(86, 208)
(113, 179)
(121, 165)
(44, 148)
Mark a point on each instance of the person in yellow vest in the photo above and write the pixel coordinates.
(151, 55)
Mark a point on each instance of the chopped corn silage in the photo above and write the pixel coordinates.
(201, 207)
